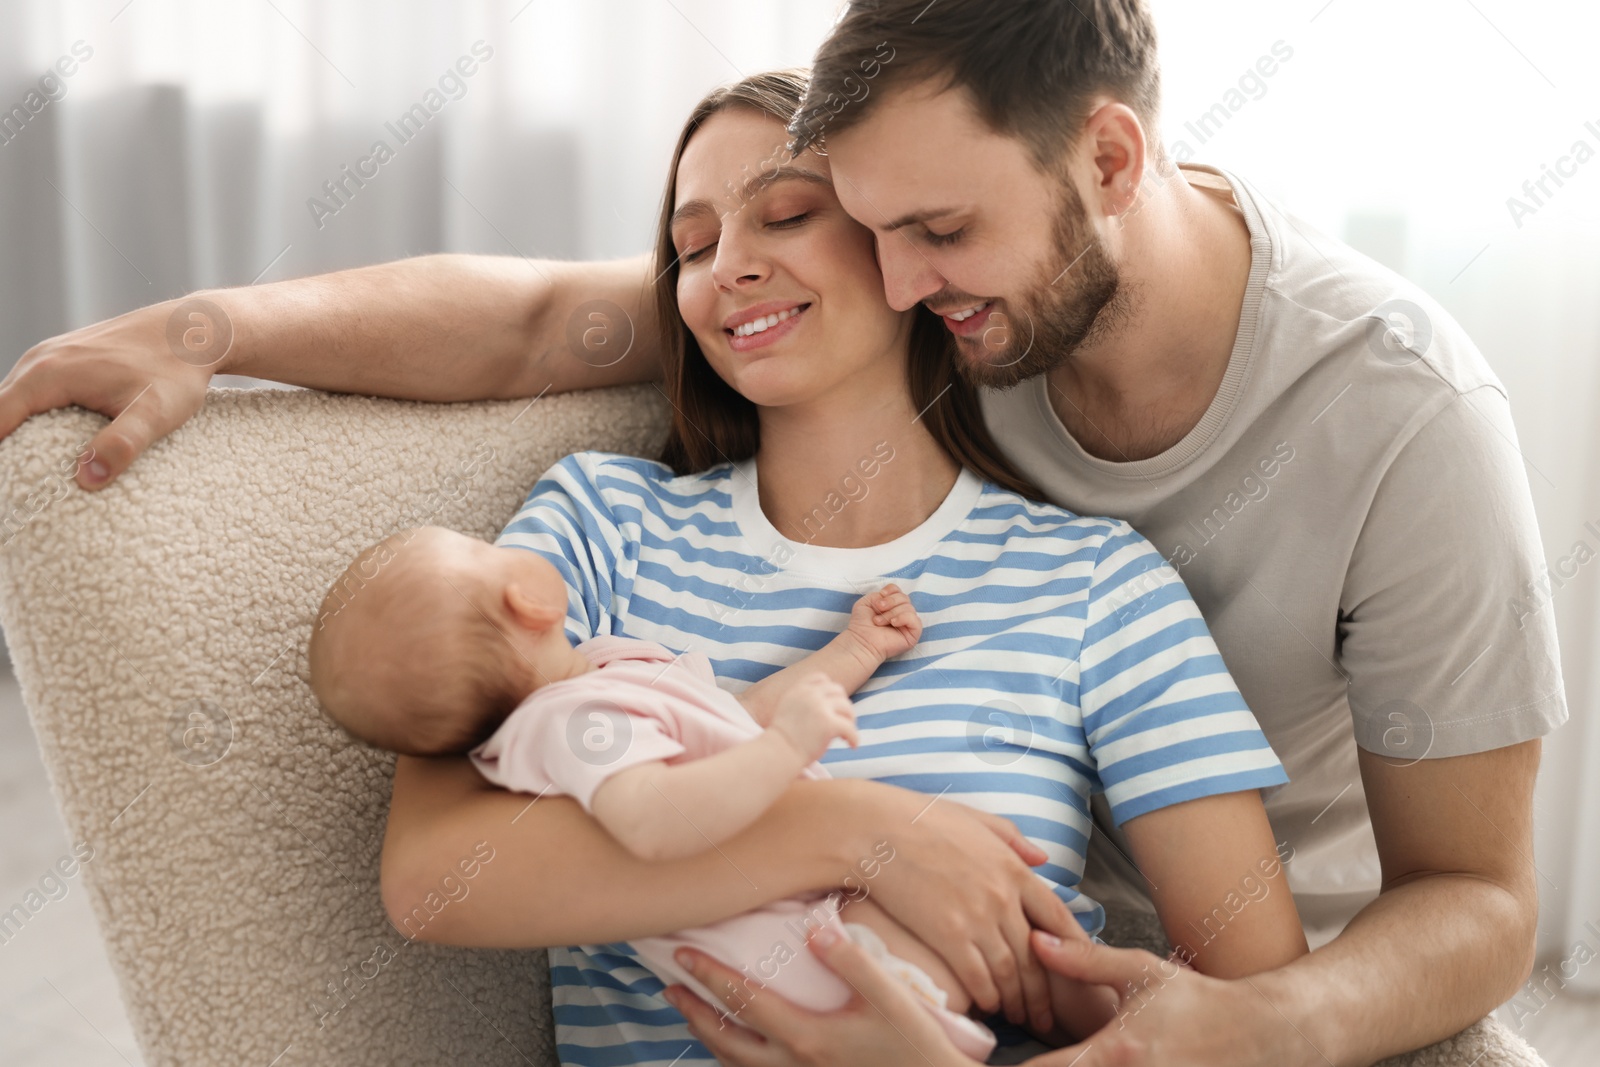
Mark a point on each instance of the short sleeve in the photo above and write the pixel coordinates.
(566, 520)
(1447, 632)
(1163, 718)
(569, 747)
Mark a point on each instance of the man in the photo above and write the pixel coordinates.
(1312, 442)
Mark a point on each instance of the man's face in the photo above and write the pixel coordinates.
(968, 224)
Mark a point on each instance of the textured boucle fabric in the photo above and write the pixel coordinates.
(159, 629)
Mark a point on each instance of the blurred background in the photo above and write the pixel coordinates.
(152, 147)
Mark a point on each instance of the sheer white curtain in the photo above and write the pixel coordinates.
(193, 137)
(186, 150)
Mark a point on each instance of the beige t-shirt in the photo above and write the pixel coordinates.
(1353, 517)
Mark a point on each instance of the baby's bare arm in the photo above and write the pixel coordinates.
(843, 660)
(882, 624)
(660, 811)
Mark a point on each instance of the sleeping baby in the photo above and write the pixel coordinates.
(434, 643)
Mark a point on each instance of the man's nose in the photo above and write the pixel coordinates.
(908, 277)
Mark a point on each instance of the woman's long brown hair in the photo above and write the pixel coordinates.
(712, 423)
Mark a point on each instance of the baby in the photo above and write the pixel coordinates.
(432, 642)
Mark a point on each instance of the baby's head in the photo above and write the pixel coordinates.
(430, 638)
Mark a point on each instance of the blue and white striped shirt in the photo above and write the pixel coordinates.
(1060, 656)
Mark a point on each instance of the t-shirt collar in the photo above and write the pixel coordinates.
(854, 564)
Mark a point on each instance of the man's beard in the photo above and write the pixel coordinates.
(1077, 302)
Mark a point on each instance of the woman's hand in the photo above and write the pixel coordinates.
(882, 1025)
(959, 879)
(1080, 1009)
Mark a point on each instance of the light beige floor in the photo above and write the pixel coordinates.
(58, 998)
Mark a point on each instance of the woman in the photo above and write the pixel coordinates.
(821, 444)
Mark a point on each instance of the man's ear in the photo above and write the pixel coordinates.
(530, 613)
(1119, 153)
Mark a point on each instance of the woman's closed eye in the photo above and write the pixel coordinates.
(787, 222)
(692, 254)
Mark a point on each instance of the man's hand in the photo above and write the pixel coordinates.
(123, 368)
(441, 328)
(1169, 1014)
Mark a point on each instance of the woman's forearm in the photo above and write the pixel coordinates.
(557, 878)
(1219, 884)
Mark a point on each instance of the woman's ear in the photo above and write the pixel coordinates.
(530, 613)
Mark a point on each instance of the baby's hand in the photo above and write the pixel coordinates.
(885, 622)
(813, 713)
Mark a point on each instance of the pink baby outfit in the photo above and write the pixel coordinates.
(643, 704)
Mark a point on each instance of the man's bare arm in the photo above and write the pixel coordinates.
(1452, 934)
(1450, 937)
(441, 328)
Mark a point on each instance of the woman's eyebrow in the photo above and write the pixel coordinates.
(754, 185)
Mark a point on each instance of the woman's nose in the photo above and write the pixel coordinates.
(739, 262)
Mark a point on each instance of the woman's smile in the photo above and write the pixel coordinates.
(763, 325)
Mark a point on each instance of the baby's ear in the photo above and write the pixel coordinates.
(531, 613)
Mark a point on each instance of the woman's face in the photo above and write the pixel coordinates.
(778, 284)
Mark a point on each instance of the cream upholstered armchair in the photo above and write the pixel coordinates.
(158, 630)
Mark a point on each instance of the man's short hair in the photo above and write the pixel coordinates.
(1032, 67)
